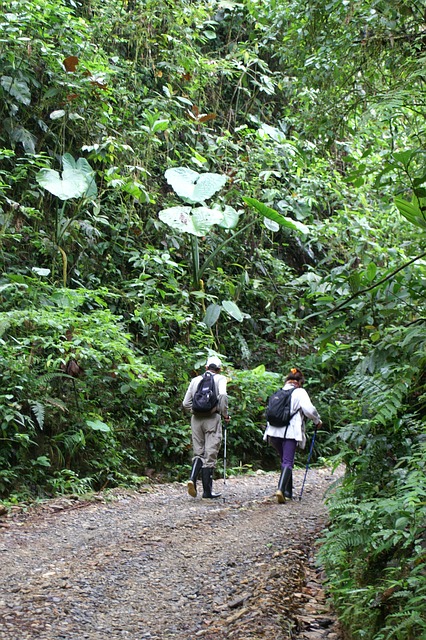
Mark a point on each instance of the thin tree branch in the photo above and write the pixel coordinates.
(373, 286)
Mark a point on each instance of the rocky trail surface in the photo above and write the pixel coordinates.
(157, 564)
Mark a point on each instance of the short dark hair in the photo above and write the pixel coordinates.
(213, 367)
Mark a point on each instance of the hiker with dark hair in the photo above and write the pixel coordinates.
(286, 439)
(207, 399)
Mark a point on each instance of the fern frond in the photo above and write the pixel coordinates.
(37, 409)
(55, 402)
(384, 400)
(351, 540)
(411, 622)
(48, 377)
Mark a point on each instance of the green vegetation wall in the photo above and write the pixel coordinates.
(241, 178)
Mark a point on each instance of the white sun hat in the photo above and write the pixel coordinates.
(215, 361)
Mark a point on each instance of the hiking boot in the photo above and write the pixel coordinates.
(283, 490)
(192, 482)
(207, 478)
(288, 491)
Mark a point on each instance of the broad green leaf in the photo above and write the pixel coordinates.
(418, 181)
(42, 461)
(83, 166)
(68, 162)
(404, 157)
(136, 190)
(271, 225)
(197, 222)
(181, 179)
(178, 218)
(402, 522)
(55, 115)
(212, 314)
(229, 216)
(40, 272)
(273, 132)
(74, 185)
(192, 186)
(259, 371)
(19, 89)
(204, 218)
(232, 309)
(371, 271)
(354, 282)
(207, 185)
(98, 425)
(411, 212)
(78, 179)
(160, 125)
(271, 214)
(28, 140)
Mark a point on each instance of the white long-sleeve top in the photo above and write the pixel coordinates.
(302, 405)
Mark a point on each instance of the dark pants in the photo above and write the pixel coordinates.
(286, 449)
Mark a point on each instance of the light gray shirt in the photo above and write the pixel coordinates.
(220, 384)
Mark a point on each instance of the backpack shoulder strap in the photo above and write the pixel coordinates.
(294, 412)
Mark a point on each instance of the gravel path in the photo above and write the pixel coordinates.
(158, 564)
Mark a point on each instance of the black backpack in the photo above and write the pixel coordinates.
(205, 398)
(278, 411)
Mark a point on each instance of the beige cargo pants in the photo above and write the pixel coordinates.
(206, 438)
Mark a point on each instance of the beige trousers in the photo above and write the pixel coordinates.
(206, 438)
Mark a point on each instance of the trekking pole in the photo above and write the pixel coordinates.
(224, 455)
(307, 464)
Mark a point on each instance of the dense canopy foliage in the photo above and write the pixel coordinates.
(241, 178)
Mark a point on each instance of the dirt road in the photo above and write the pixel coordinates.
(158, 564)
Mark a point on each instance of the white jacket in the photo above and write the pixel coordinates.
(302, 405)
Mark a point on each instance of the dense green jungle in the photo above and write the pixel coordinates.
(248, 179)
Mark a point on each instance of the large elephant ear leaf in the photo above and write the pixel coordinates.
(84, 167)
(411, 212)
(273, 215)
(179, 218)
(81, 165)
(271, 225)
(182, 180)
(207, 185)
(193, 186)
(204, 218)
(68, 162)
(197, 222)
(77, 180)
(229, 216)
(72, 185)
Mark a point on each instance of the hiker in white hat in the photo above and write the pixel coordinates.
(207, 400)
